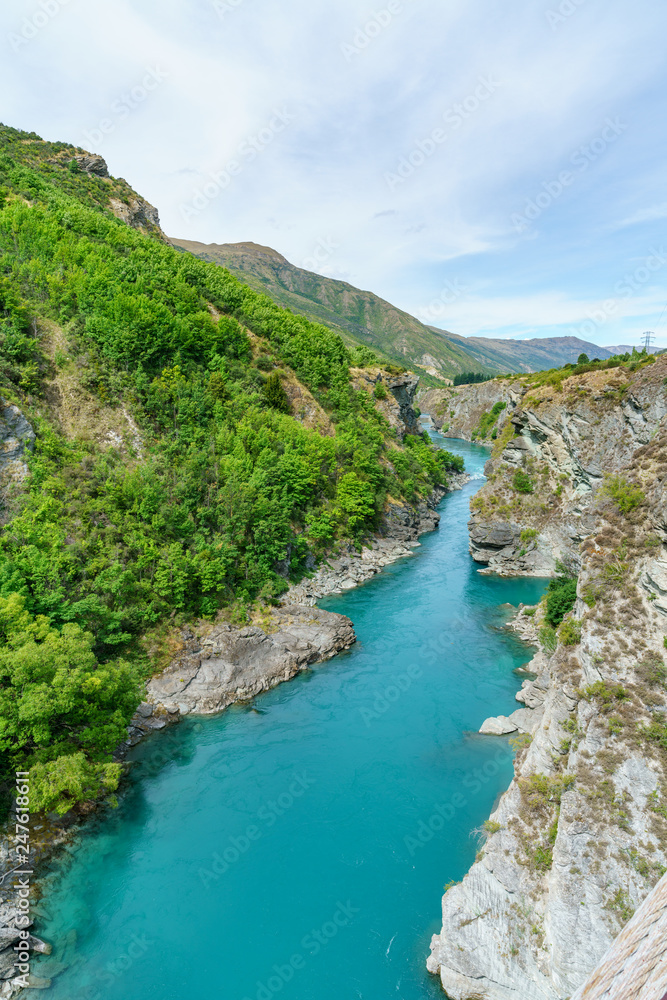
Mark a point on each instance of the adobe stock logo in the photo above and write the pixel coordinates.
(125, 105)
(375, 25)
(32, 25)
(582, 158)
(564, 10)
(454, 117)
(252, 147)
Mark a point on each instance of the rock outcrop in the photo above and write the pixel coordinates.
(580, 838)
(560, 441)
(394, 395)
(16, 438)
(222, 664)
(138, 213)
(92, 163)
(457, 411)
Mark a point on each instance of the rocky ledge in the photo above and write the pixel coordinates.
(222, 664)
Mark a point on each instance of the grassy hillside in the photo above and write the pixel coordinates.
(358, 316)
(173, 471)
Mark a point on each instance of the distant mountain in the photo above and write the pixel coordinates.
(526, 355)
(358, 316)
(621, 349)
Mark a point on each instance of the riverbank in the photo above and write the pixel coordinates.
(217, 665)
(397, 539)
(380, 741)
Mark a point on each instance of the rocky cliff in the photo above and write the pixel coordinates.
(580, 838)
(221, 664)
(394, 396)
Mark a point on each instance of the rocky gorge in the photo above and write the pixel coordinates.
(576, 486)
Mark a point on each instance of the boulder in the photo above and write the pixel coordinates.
(498, 726)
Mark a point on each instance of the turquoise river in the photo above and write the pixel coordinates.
(298, 847)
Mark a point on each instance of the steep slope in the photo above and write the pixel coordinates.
(197, 448)
(527, 355)
(358, 316)
(577, 485)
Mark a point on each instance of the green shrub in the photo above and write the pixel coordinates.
(522, 482)
(624, 494)
(605, 691)
(529, 535)
(548, 638)
(488, 420)
(569, 632)
(275, 395)
(379, 391)
(561, 597)
(615, 725)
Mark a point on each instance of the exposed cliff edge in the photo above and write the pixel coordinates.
(220, 664)
(580, 838)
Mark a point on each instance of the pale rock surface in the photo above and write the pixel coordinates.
(498, 726)
(554, 885)
(229, 664)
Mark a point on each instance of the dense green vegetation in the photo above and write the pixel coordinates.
(358, 316)
(561, 595)
(470, 378)
(224, 490)
(556, 376)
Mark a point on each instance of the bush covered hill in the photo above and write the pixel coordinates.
(174, 471)
(362, 317)
(358, 316)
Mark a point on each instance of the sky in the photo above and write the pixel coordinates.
(493, 168)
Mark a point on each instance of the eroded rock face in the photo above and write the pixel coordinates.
(136, 212)
(16, 438)
(228, 664)
(581, 835)
(93, 164)
(398, 403)
(566, 441)
(457, 411)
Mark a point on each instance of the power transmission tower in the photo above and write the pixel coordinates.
(647, 340)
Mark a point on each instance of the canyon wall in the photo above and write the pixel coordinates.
(580, 838)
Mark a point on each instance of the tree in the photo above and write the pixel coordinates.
(275, 395)
(61, 712)
(522, 482)
(582, 359)
(355, 499)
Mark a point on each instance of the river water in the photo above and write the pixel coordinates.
(298, 847)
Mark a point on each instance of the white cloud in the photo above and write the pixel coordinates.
(651, 214)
